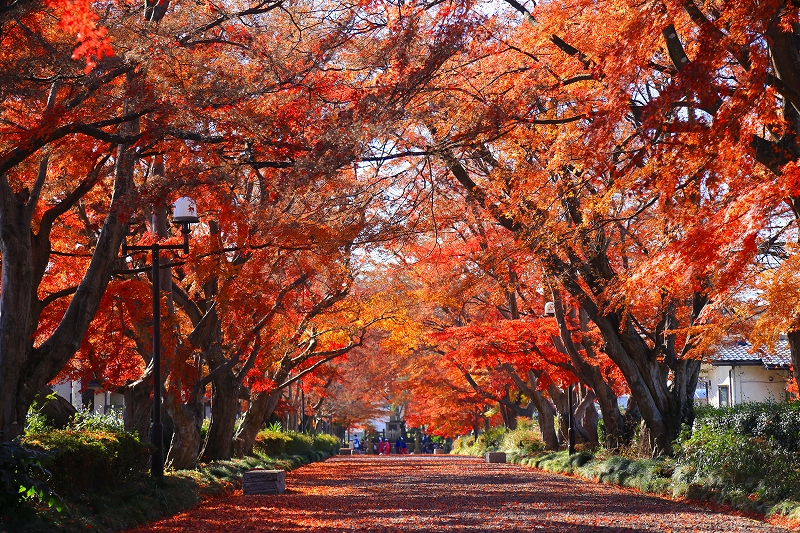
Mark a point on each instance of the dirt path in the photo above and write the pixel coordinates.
(427, 493)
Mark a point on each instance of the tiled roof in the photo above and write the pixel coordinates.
(742, 352)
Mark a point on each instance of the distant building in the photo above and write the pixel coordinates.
(737, 374)
(92, 398)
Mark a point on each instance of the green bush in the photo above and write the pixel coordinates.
(88, 421)
(492, 438)
(89, 460)
(463, 444)
(299, 443)
(525, 440)
(778, 422)
(23, 477)
(272, 443)
(327, 443)
(729, 461)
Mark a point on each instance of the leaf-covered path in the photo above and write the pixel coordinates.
(432, 493)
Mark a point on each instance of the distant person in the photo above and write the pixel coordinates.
(425, 444)
(403, 446)
(387, 448)
(380, 445)
(356, 445)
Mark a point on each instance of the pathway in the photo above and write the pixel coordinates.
(445, 493)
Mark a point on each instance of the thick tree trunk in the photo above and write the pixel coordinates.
(224, 410)
(262, 405)
(16, 295)
(184, 448)
(545, 410)
(586, 416)
(138, 405)
(546, 416)
(24, 370)
(509, 415)
(664, 407)
(613, 421)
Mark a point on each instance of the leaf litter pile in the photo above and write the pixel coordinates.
(433, 493)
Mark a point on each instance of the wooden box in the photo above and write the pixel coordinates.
(495, 457)
(264, 481)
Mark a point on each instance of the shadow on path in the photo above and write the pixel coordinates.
(424, 493)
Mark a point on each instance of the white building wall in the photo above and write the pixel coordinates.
(743, 384)
(103, 401)
(70, 390)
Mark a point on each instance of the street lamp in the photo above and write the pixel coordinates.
(570, 420)
(185, 214)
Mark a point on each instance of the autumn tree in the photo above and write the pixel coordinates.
(553, 158)
(169, 90)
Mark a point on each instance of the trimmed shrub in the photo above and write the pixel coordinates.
(299, 443)
(326, 443)
(89, 460)
(778, 422)
(272, 443)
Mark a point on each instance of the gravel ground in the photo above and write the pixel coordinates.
(445, 493)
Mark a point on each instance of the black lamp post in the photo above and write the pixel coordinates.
(184, 213)
(302, 408)
(570, 420)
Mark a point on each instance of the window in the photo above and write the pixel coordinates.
(723, 396)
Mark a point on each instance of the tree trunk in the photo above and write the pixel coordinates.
(613, 421)
(794, 348)
(262, 405)
(138, 405)
(586, 416)
(545, 410)
(15, 310)
(224, 410)
(509, 415)
(546, 416)
(24, 370)
(184, 448)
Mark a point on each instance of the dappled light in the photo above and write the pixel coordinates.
(430, 493)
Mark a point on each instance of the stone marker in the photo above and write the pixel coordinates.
(345, 451)
(264, 481)
(495, 457)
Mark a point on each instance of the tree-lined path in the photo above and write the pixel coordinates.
(428, 493)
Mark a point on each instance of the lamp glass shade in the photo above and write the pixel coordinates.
(185, 211)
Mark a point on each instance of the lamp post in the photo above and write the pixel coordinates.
(570, 420)
(302, 408)
(185, 214)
